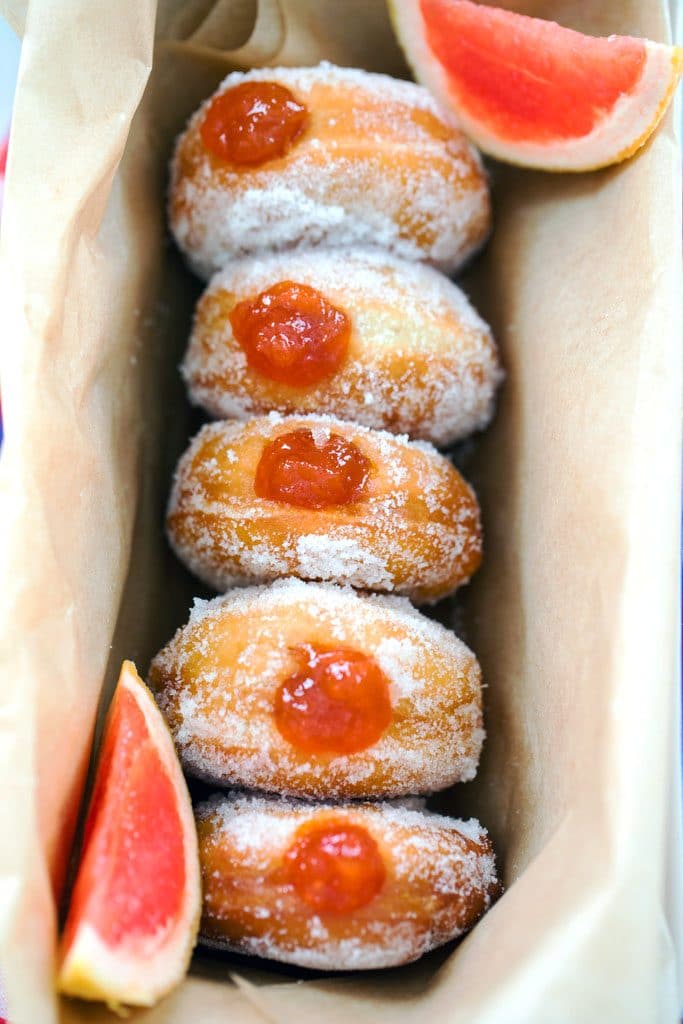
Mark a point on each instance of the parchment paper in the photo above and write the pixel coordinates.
(574, 617)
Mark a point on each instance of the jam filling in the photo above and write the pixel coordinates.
(290, 333)
(334, 867)
(337, 703)
(312, 470)
(252, 123)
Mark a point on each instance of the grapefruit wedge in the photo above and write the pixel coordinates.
(134, 911)
(533, 93)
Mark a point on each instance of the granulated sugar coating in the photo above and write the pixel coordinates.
(379, 163)
(414, 531)
(217, 680)
(420, 360)
(440, 878)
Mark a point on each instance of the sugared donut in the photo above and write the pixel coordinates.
(322, 499)
(309, 689)
(282, 157)
(357, 334)
(338, 887)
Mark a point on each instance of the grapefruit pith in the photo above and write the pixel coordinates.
(533, 93)
(134, 910)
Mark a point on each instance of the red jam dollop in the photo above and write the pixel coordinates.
(337, 703)
(253, 122)
(292, 334)
(320, 470)
(334, 867)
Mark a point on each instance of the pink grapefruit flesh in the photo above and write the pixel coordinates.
(134, 910)
(532, 92)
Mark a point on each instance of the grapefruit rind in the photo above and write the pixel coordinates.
(629, 125)
(89, 968)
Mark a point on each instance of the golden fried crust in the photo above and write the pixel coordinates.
(440, 878)
(217, 680)
(416, 531)
(378, 164)
(420, 360)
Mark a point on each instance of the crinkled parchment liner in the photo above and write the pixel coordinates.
(574, 615)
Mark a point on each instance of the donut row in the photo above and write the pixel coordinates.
(310, 193)
(325, 205)
(280, 158)
(314, 497)
(313, 690)
(358, 334)
(338, 886)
